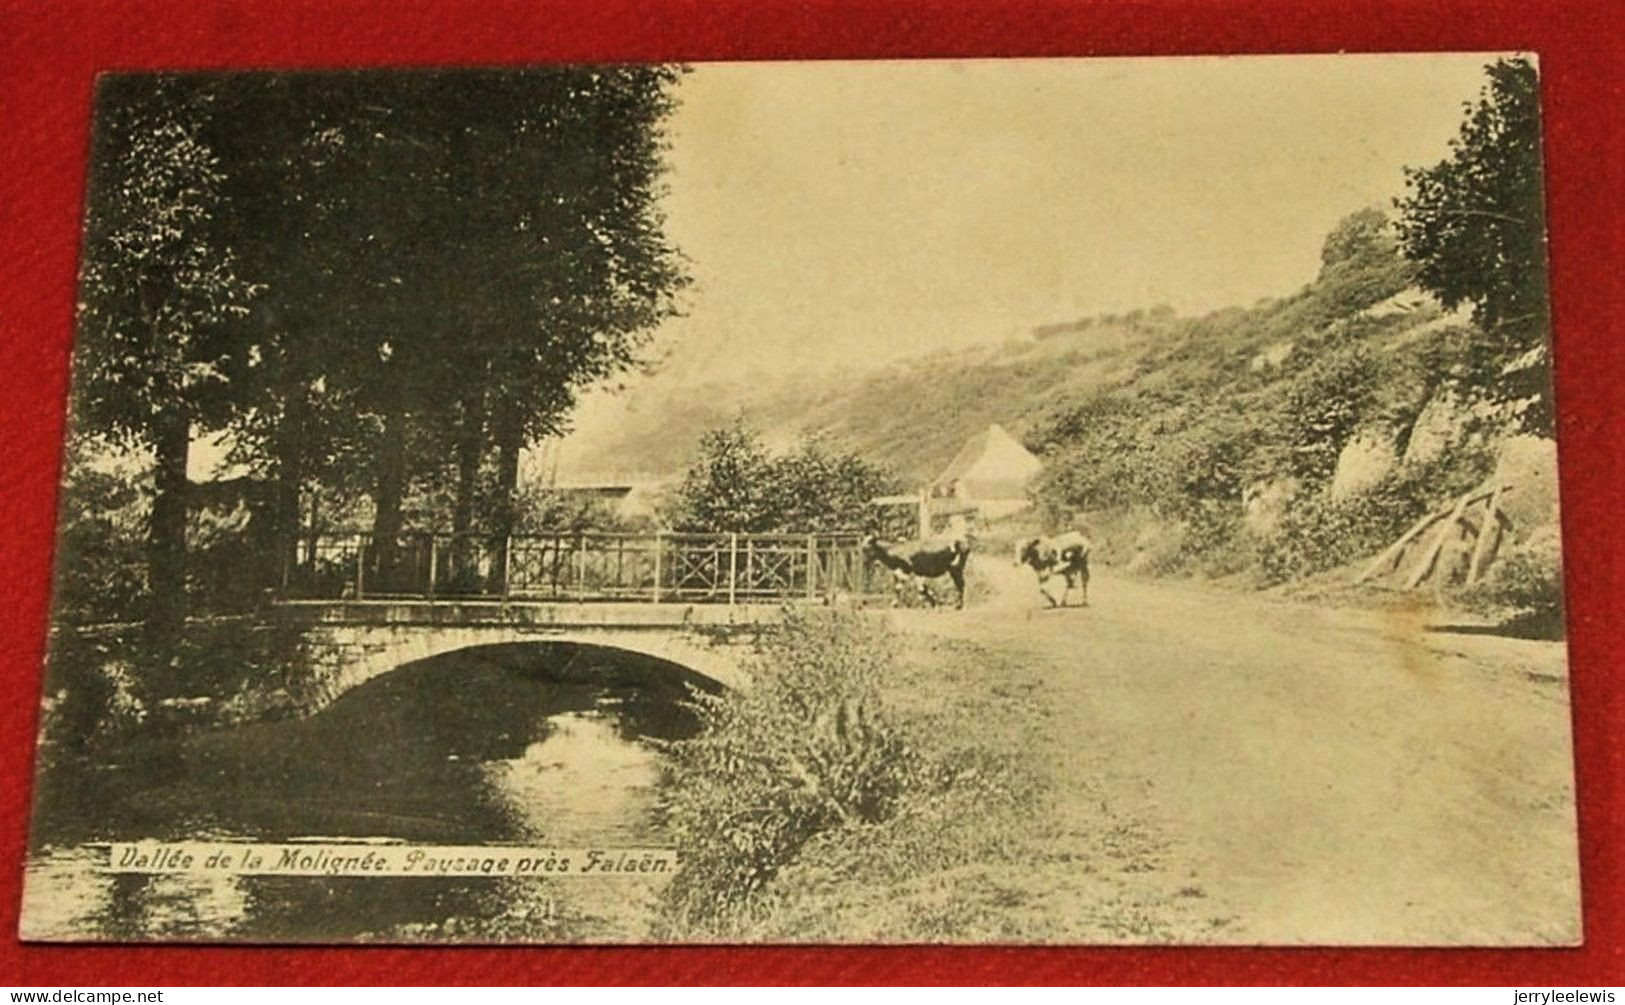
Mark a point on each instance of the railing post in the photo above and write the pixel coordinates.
(360, 564)
(433, 564)
(660, 546)
(812, 567)
(733, 566)
(507, 566)
(581, 564)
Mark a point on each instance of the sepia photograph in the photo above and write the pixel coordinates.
(1087, 501)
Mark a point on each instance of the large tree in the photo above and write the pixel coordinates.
(566, 269)
(1475, 224)
(451, 257)
(159, 288)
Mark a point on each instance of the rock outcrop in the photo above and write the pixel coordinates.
(1365, 460)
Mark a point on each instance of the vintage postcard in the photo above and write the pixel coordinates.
(1067, 501)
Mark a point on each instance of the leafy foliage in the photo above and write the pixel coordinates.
(810, 747)
(159, 289)
(1321, 533)
(1326, 404)
(1526, 585)
(1475, 224)
(735, 484)
(373, 282)
(101, 569)
(540, 511)
(1360, 262)
(159, 285)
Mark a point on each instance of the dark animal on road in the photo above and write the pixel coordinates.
(919, 562)
(1065, 555)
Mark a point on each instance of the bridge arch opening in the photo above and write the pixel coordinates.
(498, 702)
(570, 661)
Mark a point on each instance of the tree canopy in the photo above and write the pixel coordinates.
(1475, 224)
(374, 284)
(158, 292)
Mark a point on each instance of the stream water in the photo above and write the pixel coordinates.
(535, 744)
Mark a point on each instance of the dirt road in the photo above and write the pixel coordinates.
(1319, 775)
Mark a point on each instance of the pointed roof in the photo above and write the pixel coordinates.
(991, 454)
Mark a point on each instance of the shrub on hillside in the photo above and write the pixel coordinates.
(1526, 584)
(1320, 533)
(1326, 404)
(1361, 264)
(808, 748)
(1217, 542)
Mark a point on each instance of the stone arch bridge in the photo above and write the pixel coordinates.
(369, 606)
(360, 640)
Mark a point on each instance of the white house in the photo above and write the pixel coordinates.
(990, 474)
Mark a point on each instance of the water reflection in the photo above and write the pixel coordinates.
(524, 743)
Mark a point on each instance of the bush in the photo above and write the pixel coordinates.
(1326, 404)
(550, 511)
(101, 571)
(94, 693)
(1526, 585)
(1217, 542)
(1320, 533)
(807, 749)
(735, 484)
(106, 683)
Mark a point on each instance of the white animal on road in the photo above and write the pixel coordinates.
(1065, 555)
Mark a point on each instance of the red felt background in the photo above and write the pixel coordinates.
(49, 53)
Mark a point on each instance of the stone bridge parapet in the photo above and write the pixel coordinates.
(351, 642)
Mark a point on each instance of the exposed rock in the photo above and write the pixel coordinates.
(1449, 420)
(1459, 317)
(1368, 457)
(1440, 425)
(1406, 301)
(1529, 465)
(1271, 356)
(1265, 503)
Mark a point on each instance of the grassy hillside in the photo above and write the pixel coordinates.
(1272, 442)
(915, 414)
(912, 416)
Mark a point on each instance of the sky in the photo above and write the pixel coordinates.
(834, 212)
(837, 213)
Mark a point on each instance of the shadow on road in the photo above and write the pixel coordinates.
(1544, 627)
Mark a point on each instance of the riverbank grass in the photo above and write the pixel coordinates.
(876, 787)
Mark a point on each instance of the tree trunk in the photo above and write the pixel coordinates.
(387, 496)
(166, 534)
(286, 518)
(470, 445)
(509, 434)
(290, 471)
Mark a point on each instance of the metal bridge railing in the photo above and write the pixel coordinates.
(653, 567)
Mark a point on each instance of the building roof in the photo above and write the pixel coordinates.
(992, 456)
